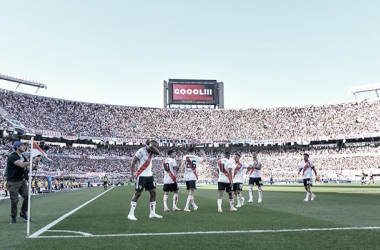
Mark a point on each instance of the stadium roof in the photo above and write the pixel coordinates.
(20, 80)
(364, 88)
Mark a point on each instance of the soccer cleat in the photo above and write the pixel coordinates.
(166, 209)
(238, 205)
(220, 210)
(155, 216)
(24, 216)
(186, 210)
(233, 209)
(242, 201)
(176, 209)
(260, 200)
(13, 220)
(250, 201)
(195, 207)
(313, 197)
(131, 217)
(306, 199)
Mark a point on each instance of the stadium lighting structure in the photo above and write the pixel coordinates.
(24, 81)
(365, 88)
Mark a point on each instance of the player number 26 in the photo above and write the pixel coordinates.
(191, 164)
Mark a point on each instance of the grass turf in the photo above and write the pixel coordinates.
(336, 206)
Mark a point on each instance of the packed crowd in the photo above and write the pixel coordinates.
(91, 119)
(4, 124)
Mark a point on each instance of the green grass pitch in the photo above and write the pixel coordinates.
(255, 225)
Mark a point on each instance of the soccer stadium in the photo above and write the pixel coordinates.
(192, 172)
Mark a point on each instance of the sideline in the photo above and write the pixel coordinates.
(85, 235)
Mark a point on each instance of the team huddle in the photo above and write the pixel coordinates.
(230, 178)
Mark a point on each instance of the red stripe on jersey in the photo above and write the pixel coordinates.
(145, 165)
(238, 167)
(223, 169)
(190, 163)
(171, 175)
(255, 163)
(306, 167)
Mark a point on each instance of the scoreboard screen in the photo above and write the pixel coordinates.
(193, 91)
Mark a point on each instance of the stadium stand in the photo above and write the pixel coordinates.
(100, 120)
(71, 118)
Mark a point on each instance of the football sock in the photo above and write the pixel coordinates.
(250, 192)
(166, 200)
(188, 202)
(220, 204)
(231, 203)
(307, 195)
(152, 205)
(260, 193)
(133, 207)
(192, 201)
(175, 200)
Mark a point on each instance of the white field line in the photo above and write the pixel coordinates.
(44, 229)
(212, 232)
(68, 231)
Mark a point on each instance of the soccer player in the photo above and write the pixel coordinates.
(363, 178)
(225, 181)
(189, 164)
(237, 187)
(371, 179)
(255, 177)
(105, 182)
(144, 178)
(271, 179)
(306, 168)
(170, 181)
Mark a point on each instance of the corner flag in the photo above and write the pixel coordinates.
(36, 150)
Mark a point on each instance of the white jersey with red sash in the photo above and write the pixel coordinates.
(169, 174)
(224, 165)
(191, 163)
(255, 173)
(144, 167)
(307, 169)
(237, 171)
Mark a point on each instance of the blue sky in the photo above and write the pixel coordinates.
(268, 53)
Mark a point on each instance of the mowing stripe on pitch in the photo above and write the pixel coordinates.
(44, 229)
(213, 232)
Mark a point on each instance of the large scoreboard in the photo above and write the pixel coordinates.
(192, 92)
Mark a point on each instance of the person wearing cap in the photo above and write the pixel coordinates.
(307, 167)
(17, 164)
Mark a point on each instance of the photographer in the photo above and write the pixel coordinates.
(17, 173)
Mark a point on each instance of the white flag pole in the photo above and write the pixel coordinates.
(29, 189)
